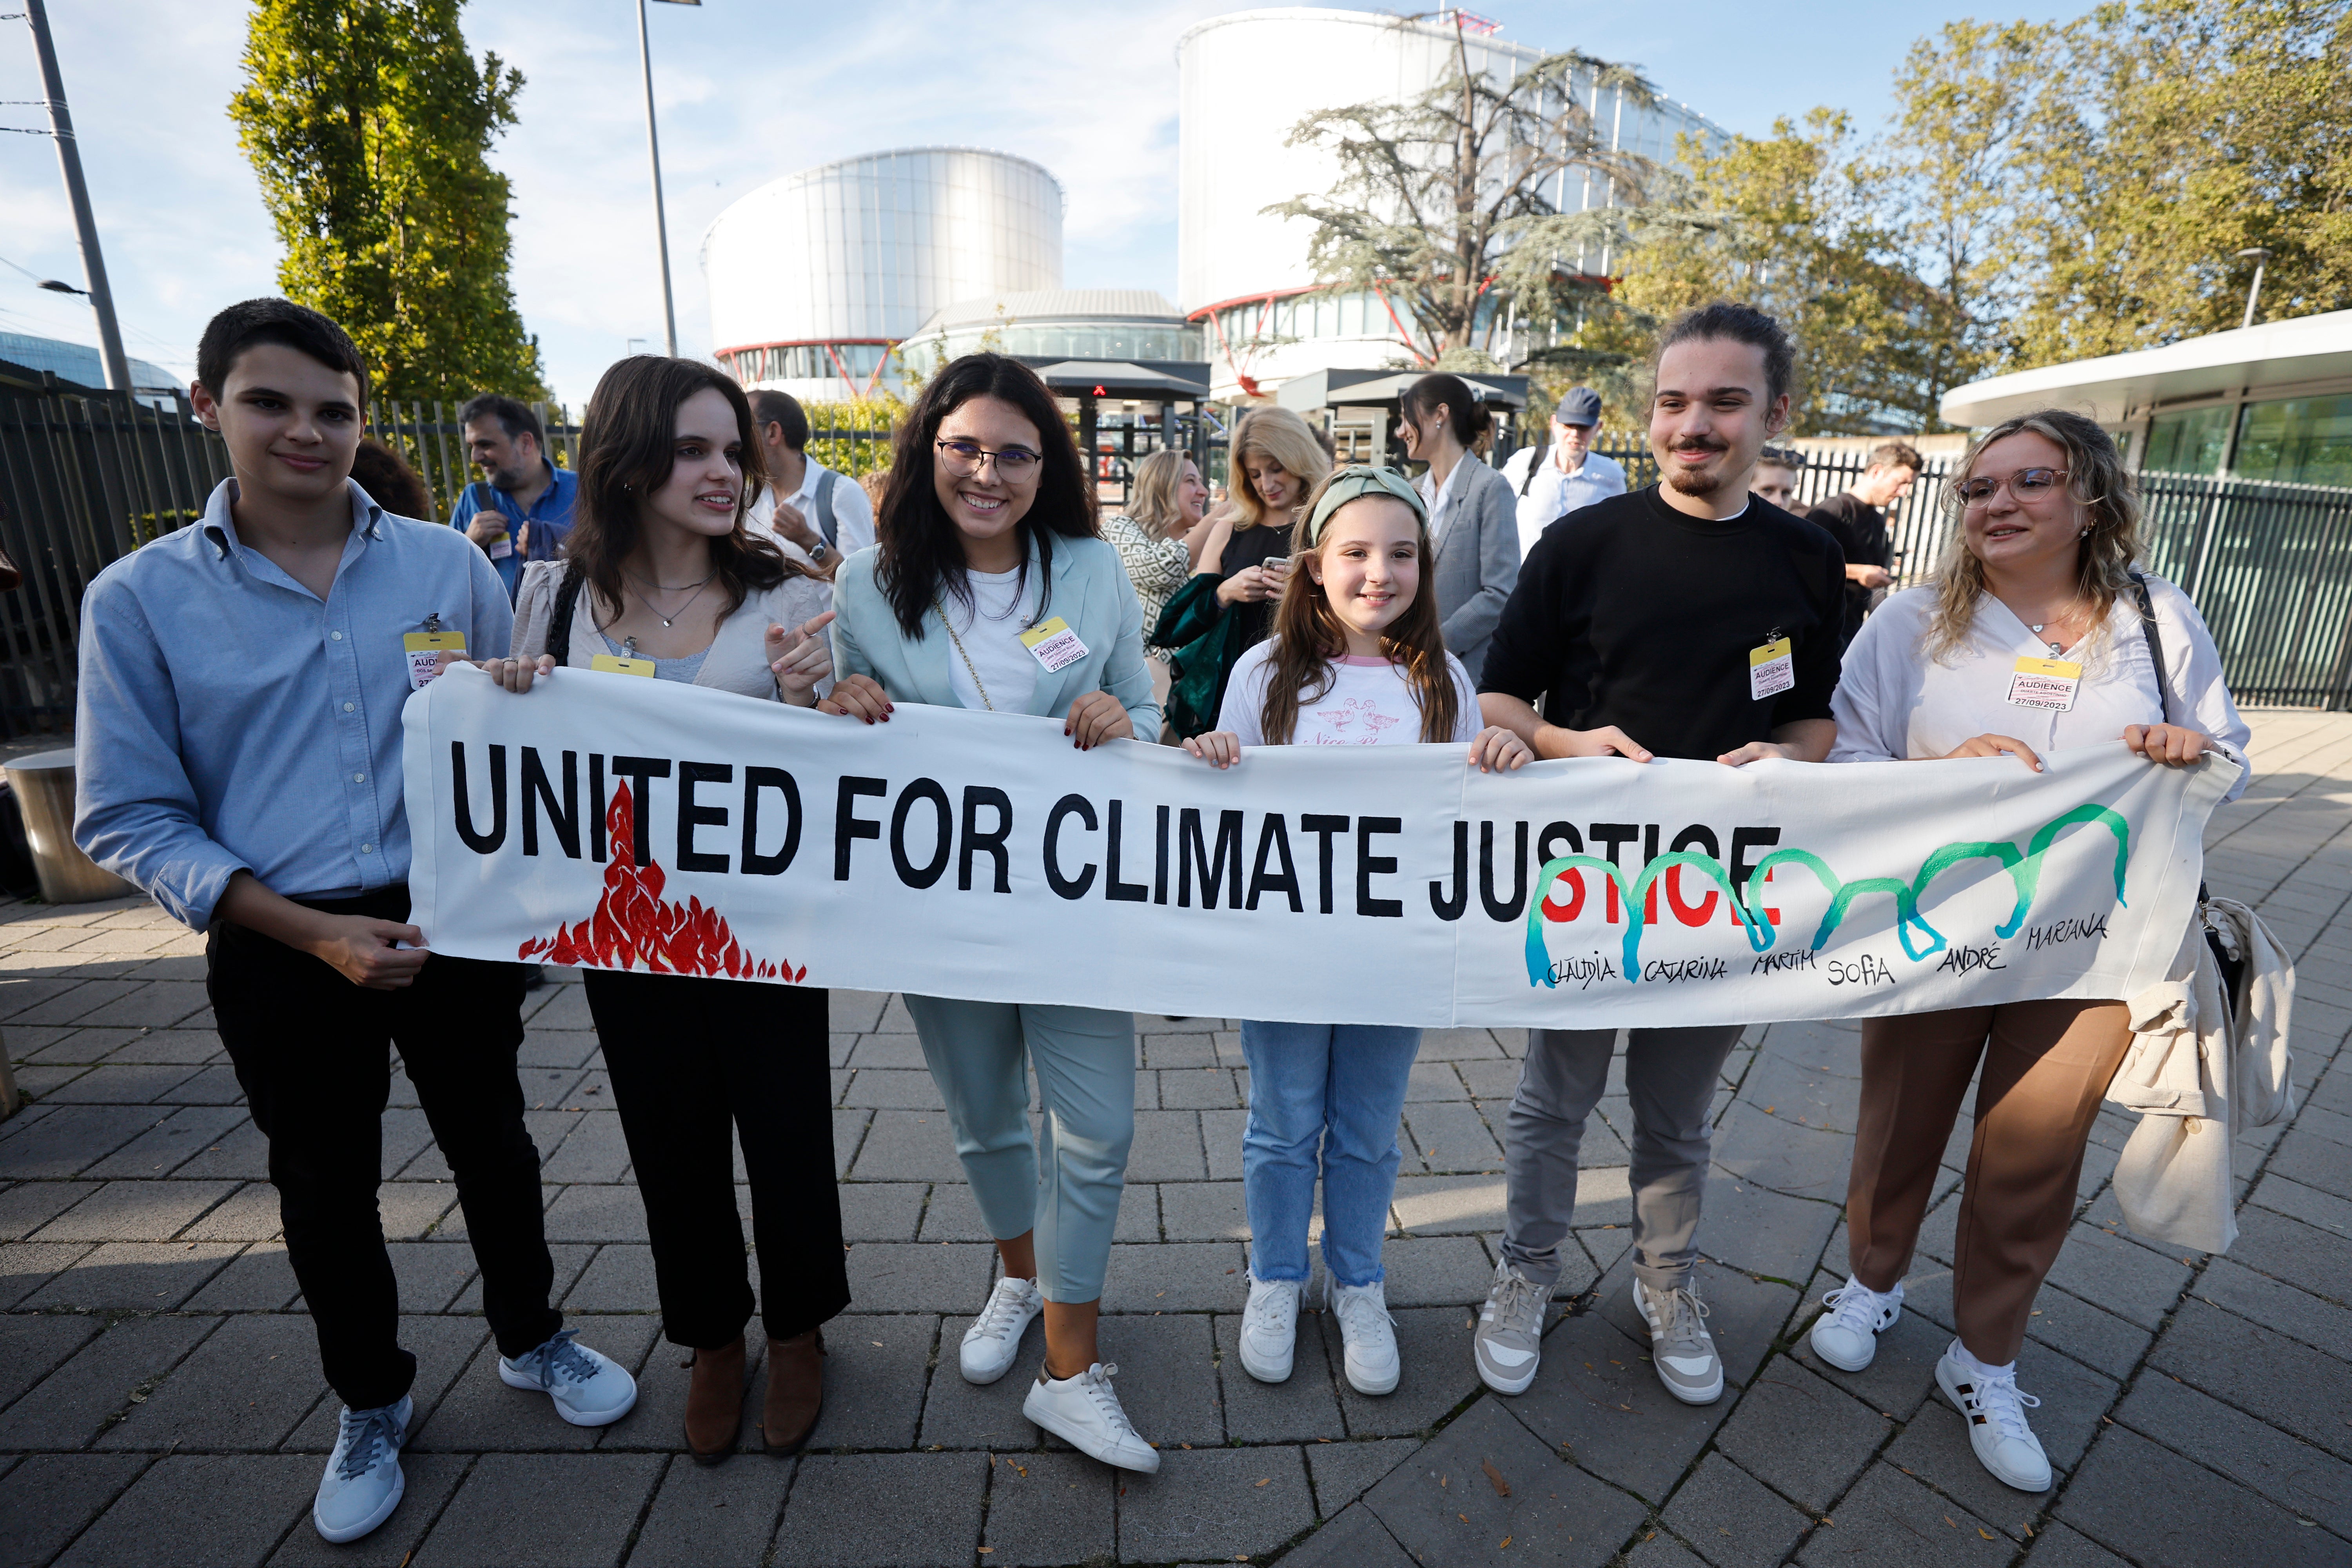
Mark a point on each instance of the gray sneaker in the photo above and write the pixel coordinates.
(1680, 1347)
(1509, 1341)
(364, 1482)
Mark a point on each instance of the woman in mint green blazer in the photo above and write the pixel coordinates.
(988, 539)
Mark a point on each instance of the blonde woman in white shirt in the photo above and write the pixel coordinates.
(2041, 569)
(1355, 660)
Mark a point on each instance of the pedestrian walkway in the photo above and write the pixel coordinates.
(160, 1398)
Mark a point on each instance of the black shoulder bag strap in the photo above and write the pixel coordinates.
(2233, 969)
(1543, 456)
(824, 520)
(559, 627)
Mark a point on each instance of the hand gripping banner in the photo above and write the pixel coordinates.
(616, 822)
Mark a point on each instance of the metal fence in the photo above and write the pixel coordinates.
(87, 476)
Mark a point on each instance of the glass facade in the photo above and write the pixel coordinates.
(1057, 340)
(805, 362)
(2186, 443)
(2293, 440)
(2298, 440)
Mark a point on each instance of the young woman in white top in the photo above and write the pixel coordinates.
(661, 566)
(1355, 660)
(2040, 570)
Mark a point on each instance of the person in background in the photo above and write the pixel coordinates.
(1150, 537)
(662, 567)
(988, 532)
(1355, 660)
(876, 484)
(815, 515)
(1689, 619)
(1226, 607)
(389, 481)
(1776, 478)
(1473, 528)
(237, 741)
(2040, 572)
(1554, 480)
(520, 508)
(1856, 519)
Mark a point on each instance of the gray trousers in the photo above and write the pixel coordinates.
(1671, 1077)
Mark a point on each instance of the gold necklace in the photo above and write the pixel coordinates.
(979, 685)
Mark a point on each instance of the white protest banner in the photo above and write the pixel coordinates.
(614, 821)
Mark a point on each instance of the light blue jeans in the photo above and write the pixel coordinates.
(1323, 1097)
(1085, 1058)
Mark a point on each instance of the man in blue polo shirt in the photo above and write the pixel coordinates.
(520, 508)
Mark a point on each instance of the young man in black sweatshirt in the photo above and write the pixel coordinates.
(1689, 619)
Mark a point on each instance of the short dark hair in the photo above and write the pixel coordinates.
(281, 322)
(1896, 455)
(772, 407)
(389, 481)
(514, 418)
(1740, 323)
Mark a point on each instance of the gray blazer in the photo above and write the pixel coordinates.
(1477, 562)
(1091, 591)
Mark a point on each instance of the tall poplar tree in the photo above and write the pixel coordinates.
(369, 124)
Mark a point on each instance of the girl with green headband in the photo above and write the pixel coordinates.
(1355, 660)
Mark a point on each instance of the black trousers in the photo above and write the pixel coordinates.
(311, 1052)
(697, 1063)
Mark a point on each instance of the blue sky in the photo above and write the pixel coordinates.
(749, 91)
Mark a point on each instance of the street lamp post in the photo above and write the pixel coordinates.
(93, 264)
(2260, 254)
(653, 152)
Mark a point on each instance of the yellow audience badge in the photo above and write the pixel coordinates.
(1771, 669)
(2048, 684)
(613, 664)
(425, 650)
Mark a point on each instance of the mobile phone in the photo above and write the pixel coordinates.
(1279, 562)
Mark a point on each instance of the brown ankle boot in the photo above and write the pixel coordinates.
(714, 1403)
(795, 1391)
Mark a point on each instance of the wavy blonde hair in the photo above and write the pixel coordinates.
(2102, 488)
(1157, 479)
(1288, 441)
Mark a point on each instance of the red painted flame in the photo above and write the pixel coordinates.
(635, 928)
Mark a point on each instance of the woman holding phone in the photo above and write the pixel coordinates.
(988, 531)
(660, 570)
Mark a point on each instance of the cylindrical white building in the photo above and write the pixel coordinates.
(815, 275)
(1245, 78)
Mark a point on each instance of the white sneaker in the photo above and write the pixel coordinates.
(1681, 1349)
(1846, 1336)
(1508, 1345)
(994, 1342)
(362, 1484)
(1995, 1412)
(1270, 1328)
(589, 1388)
(1370, 1334)
(1082, 1412)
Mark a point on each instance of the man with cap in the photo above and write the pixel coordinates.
(1554, 480)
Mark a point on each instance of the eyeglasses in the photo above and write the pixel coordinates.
(1014, 465)
(2024, 485)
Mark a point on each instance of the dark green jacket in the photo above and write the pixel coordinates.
(1207, 635)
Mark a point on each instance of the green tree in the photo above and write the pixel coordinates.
(1440, 202)
(369, 126)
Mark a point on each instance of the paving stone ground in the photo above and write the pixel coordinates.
(160, 1398)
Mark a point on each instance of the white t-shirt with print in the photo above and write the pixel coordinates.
(1371, 703)
(990, 629)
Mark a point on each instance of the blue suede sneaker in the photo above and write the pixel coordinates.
(362, 1484)
(589, 1389)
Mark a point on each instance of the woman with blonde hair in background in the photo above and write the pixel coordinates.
(2039, 580)
(1227, 608)
(1154, 540)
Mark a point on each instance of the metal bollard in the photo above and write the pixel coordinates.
(44, 786)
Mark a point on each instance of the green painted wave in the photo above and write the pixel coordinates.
(1919, 939)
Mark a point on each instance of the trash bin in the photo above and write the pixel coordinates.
(44, 786)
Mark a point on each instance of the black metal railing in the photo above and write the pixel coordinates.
(87, 476)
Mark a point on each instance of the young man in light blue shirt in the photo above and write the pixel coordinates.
(238, 746)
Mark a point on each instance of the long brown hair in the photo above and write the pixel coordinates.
(921, 559)
(628, 449)
(2099, 484)
(1308, 637)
